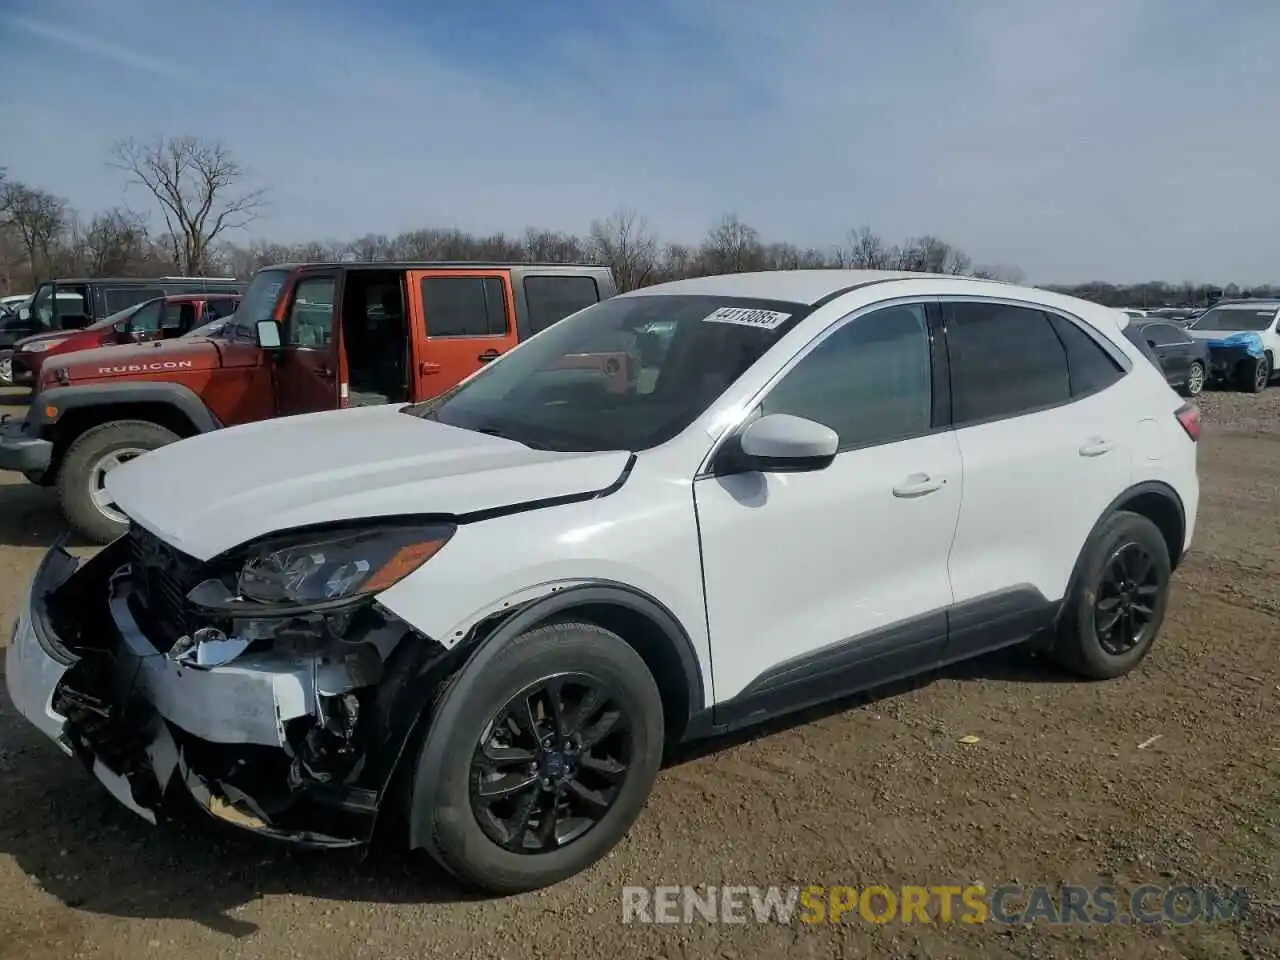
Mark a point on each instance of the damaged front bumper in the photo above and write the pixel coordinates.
(268, 740)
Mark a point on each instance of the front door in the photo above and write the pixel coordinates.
(812, 576)
(459, 321)
(306, 370)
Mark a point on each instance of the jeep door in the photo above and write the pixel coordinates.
(305, 373)
(459, 321)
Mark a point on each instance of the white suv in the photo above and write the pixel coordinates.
(673, 513)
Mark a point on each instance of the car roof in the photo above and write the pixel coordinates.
(793, 286)
(1249, 304)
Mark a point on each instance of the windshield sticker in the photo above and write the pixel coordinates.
(746, 317)
(274, 290)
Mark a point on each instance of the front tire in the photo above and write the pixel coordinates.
(81, 491)
(6, 368)
(1117, 603)
(543, 761)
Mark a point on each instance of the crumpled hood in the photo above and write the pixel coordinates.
(215, 491)
(1247, 340)
(131, 359)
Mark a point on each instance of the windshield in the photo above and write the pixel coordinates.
(113, 319)
(625, 374)
(214, 327)
(1237, 317)
(259, 303)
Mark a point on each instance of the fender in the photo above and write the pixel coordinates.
(1146, 488)
(63, 399)
(445, 715)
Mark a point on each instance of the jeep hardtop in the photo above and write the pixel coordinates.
(342, 334)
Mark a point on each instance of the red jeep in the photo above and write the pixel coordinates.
(158, 319)
(348, 333)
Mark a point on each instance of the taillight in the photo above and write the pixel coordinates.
(1189, 416)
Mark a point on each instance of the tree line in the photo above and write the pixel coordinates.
(203, 200)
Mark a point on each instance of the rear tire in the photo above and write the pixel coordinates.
(602, 781)
(1255, 375)
(93, 454)
(6, 368)
(1091, 638)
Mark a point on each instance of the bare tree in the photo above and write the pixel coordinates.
(198, 186)
(550, 246)
(116, 242)
(624, 243)
(865, 250)
(39, 219)
(732, 247)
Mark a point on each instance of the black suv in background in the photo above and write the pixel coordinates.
(75, 303)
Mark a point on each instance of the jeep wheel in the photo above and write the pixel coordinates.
(6, 368)
(541, 758)
(81, 479)
(1117, 604)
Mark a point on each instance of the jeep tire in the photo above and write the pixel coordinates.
(593, 758)
(90, 456)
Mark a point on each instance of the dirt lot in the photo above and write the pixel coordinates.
(1057, 790)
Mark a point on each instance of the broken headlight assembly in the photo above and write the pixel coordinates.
(320, 572)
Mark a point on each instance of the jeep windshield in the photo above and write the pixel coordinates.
(1237, 317)
(627, 373)
(258, 303)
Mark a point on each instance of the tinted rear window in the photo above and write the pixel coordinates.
(551, 299)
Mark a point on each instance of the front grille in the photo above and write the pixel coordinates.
(160, 576)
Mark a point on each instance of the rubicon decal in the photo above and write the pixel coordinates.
(144, 367)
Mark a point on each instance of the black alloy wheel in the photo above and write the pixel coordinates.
(550, 764)
(1125, 609)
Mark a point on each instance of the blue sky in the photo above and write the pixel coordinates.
(1111, 139)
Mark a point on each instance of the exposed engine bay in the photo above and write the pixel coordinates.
(290, 725)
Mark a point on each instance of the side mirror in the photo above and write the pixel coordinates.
(781, 443)
(268, 335)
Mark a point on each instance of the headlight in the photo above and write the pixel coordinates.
(325, 570)
(40, 346)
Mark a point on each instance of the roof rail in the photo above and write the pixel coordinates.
(195, 278)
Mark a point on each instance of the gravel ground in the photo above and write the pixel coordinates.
(1055, 790)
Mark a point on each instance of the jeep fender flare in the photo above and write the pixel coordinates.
(79, 396)
(444, 713)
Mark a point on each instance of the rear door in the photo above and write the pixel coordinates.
(459, 321)
(305, 374)
(1172, 348)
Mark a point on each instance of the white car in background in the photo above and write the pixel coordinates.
(1243, 338)
(487, 614)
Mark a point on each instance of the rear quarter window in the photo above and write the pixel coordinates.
(550, 299)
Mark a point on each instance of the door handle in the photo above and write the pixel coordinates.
(489, 356)
(918, 485)
(324, 373)
(426, 367)
(1096, 447)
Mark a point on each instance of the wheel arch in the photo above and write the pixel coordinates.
(638, 618)
(1159, 503)
(173, 406)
